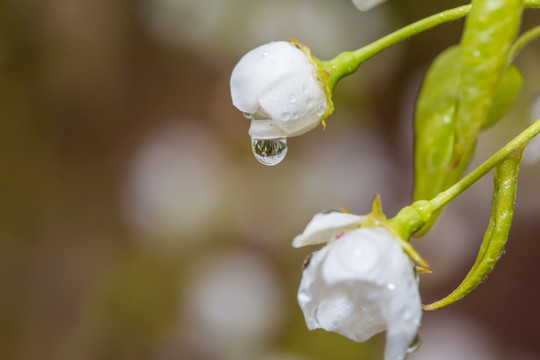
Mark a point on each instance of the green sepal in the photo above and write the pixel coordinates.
(496, 235)
(399, 225)
(322, 75)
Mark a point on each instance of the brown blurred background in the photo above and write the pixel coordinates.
(136, 224)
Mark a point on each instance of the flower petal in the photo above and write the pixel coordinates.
(296, 103)
(323, 227)
(259, 68)
(362, 284)
(265, 129)
(365, 5)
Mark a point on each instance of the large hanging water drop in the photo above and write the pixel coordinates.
(269, 152)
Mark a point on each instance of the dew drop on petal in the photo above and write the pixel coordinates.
(414, 344)
(285, 115)
(320, 110)
(391, 286)
(269, 152)
(292, 99)
(407, 315)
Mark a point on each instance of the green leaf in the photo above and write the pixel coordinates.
(434, 128)
(502, 210)
(467, 88)
(490, 30)
(506, 93)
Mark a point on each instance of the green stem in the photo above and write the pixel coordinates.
(443, 198)
(522, 41)
(348, 62)
(411, 218)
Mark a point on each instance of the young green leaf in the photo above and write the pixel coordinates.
(506, 93)
(434, 127)
(466, 89)
(489, 32)
(502, 210)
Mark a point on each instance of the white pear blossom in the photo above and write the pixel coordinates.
(365, 5)
(276, 85)
(359, 284)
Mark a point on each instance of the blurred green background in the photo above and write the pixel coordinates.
(136, 224)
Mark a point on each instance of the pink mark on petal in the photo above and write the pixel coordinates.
(340, 234)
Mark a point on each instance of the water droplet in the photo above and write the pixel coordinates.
(292, 99)
(309, 104)
(414, 344)
(248, 115)
(285, 115)
(269, 152)
(476, 53)
(391, 286)
(407, 315)
(320, 110)
(305, 89)
(295, 115)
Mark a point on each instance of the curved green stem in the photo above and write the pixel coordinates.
(522, 41)
(348, 62)
(519, 141)
(411, 218)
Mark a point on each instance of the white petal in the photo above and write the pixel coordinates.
(323, 227)
(296, 102)
(265, 129)
(362, 284)
(358, 256)
(259, 68)
(365, 5)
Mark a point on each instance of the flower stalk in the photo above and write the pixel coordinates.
(413, 217)
(348, 62)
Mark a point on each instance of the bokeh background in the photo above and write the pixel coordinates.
(136, 224)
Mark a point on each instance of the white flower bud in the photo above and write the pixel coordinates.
(360, 284)
(365, 5)
(277, 85)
